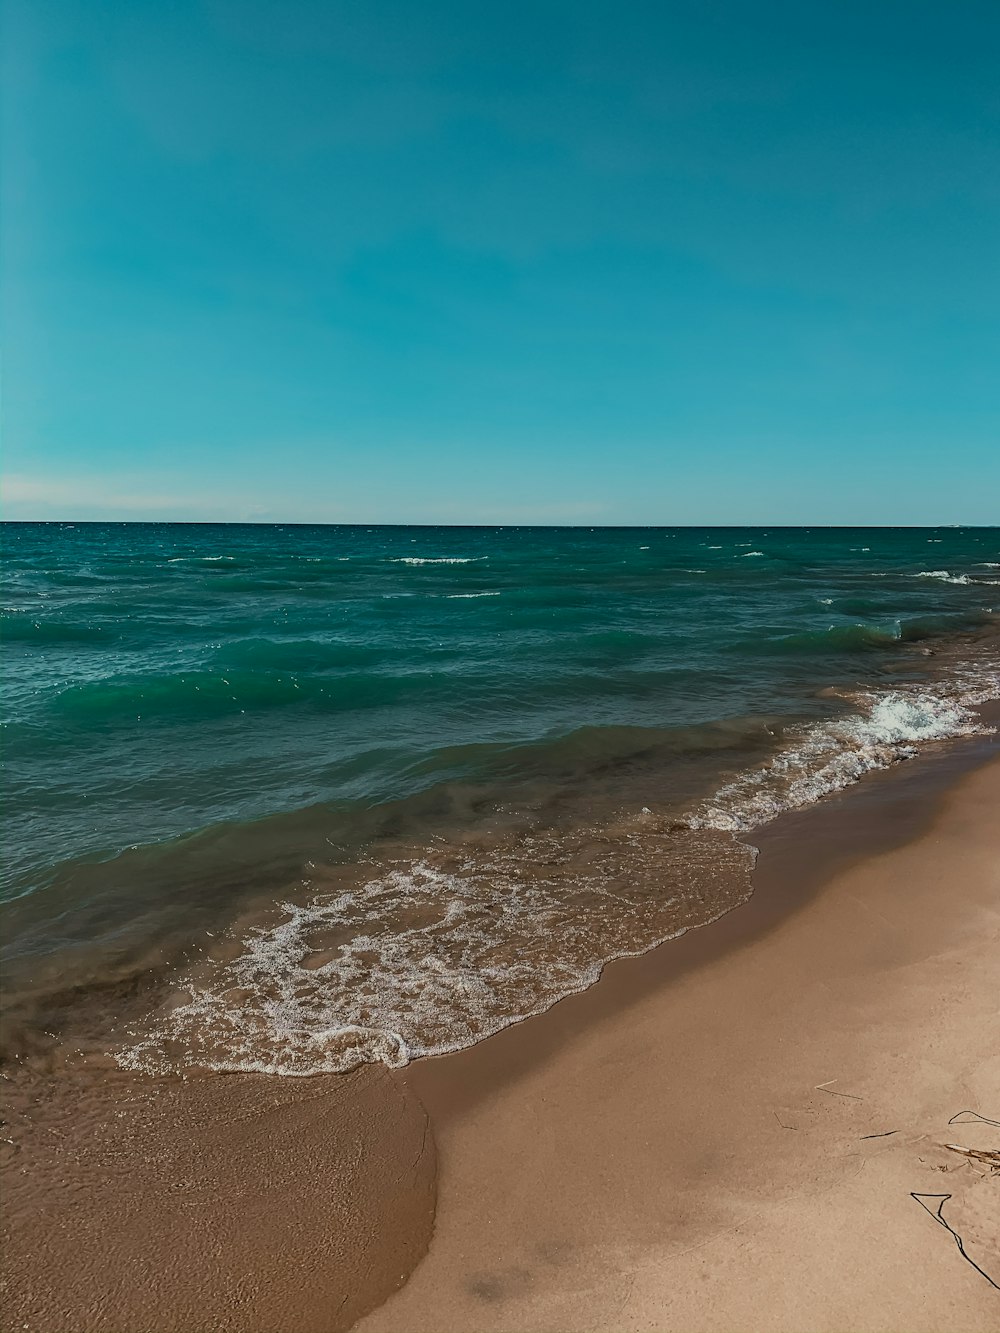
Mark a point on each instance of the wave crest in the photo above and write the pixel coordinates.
(828, 756)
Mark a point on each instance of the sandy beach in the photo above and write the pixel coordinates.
(726, 1134)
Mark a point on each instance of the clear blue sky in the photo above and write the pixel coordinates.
(520, 262)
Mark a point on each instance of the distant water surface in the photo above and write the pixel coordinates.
(291, 798)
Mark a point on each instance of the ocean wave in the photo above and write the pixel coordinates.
(862, 637)
(298, 655)
(943, 576)
(836, 638)
(828, 756)
(206, 694)
(438, 559)
(198, 559)
(17, 627)
(965, 580)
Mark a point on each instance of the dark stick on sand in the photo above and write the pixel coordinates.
(936, 1214)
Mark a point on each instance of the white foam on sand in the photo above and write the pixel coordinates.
(417, 959)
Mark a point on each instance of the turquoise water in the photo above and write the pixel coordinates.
(203, 722)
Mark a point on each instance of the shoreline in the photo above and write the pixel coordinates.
(376, 1133)
(637, 1156)
(797, 855)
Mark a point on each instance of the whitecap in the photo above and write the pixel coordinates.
(438, 560)
(943, 575)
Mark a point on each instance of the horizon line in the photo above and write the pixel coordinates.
(492, 527)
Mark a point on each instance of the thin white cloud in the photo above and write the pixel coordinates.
(68, 499)
(40, 494)
(74, 499)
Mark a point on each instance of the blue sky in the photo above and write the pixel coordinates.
(531, 262)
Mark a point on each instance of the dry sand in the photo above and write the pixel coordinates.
(688, 1146)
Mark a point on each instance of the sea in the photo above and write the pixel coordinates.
(291, 799)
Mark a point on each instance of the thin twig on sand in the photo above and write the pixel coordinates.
(825, 1087)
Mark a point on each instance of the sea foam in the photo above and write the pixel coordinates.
(826, 757)
(438, 952)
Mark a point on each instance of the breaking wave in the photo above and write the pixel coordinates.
(828, 756)
(438, 560)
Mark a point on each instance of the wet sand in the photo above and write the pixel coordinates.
(237, 1203)
(725, 1134)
